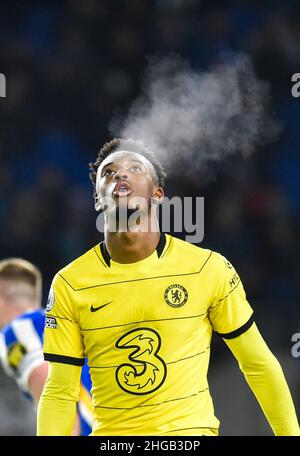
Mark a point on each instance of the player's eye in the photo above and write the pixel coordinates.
(135, 169)
(108, 172)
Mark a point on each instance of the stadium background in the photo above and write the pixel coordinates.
(69, 66)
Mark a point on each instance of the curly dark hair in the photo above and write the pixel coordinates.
(131, 145)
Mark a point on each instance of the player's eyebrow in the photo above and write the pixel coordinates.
(107, 164)
(135, 160)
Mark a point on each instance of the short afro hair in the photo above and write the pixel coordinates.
(131, 145)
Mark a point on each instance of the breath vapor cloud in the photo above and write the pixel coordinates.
(199, 117)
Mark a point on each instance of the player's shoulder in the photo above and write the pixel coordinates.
(29, 322)
(34, 315)
(21, 345)
(191, 253)
(81, 272)
(209, 261)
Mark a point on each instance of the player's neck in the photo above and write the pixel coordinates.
(128, 247)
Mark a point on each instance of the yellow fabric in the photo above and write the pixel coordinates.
(265, 377)
(229, 309)
(148, 347)
(67, 339)
(57, 406)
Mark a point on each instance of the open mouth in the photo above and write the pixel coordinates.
(122, 188)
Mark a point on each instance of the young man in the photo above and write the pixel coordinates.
(22, 322)
(142, 307)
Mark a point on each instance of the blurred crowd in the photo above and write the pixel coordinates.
(71, 65)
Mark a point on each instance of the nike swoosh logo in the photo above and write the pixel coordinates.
(94, 309)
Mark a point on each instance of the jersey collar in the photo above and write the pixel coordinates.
(159, 248)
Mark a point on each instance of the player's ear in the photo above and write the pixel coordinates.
(101, 204)
(158, 195)
(98, 204)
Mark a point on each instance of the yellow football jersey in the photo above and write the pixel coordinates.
(146, 329)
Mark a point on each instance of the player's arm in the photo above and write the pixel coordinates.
(57, 406)
(231, 317)
(36, 383)
(64, 349)
(266, 379)
(22, 354)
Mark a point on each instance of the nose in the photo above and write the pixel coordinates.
(120, 174)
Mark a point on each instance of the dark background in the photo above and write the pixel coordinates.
(69, 67)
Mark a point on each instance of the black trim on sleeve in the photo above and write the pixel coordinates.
(239, 331)
(64, 359)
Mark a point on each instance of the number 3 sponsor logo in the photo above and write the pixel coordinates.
(145, 370)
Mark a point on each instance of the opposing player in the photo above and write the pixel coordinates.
(22, 322)
(142, 307)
